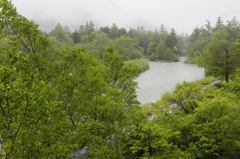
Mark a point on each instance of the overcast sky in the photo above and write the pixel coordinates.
(182, 15)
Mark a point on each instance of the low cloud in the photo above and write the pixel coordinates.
(183, 15)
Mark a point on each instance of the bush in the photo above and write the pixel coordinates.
(141, 63)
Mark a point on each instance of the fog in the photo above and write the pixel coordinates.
(182, 15)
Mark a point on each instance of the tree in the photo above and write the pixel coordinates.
(99, 40)
(151, 139)
(151, 49)
(53, 103)
(191, 121)
(114, 32)
(89, 27)
(224, 55)
(61, 36)
(233, 85)
(141, 36)
(164, 53)
(75, 36)
(86, 31)
(199, 40)
(66, 29)
(154, 39)
(234, 23)
(32, 125)
(171, 40)
(184, 97)
(59, 32)
(122, 31)
(165, 48)
(88, 102)
(105, 29)
(99, 43)
(162, 29)
(219, 24)
(132, 33)
(208, 27)
(203, 59)
(194, 34)
(232, 28)
(202, 123)
(27, 36)
(82, 31)
(88, 38)
(121, 76)
(128, 48)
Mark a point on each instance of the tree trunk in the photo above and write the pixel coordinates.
(226, 67)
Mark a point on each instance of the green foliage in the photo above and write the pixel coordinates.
(219, 24)
(27, 36)
(96, 47)
(232, 28)
(4, 44)
(88, 101)
(202, 60)
(196, 46)
(114, 32)
(207, 80)
(151, 140)
(215, 51)
(121, 76)
(151, 48)
(58, 44)
(223, 56)
(60, 37)
(233, 85)
(165, 46)
(32, 123)
(141, 35)
(204, 37)
(171, 39)
(59, 33)
(128, 48)
(193, 121)
(75, 36)
(54, 102)
(142, 64)
(99, 43)
(164, 53)
(184, 97)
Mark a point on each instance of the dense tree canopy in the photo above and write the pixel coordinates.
(55, 102)
(141, 42)
(64, 91)
(193, 121)
(215, 48)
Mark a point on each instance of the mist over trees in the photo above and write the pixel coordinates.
(131, 44)
(66, 90)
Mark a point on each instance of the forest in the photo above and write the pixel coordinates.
(131, 44)
(64, 91)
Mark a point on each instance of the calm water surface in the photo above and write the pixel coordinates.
(163, 76)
